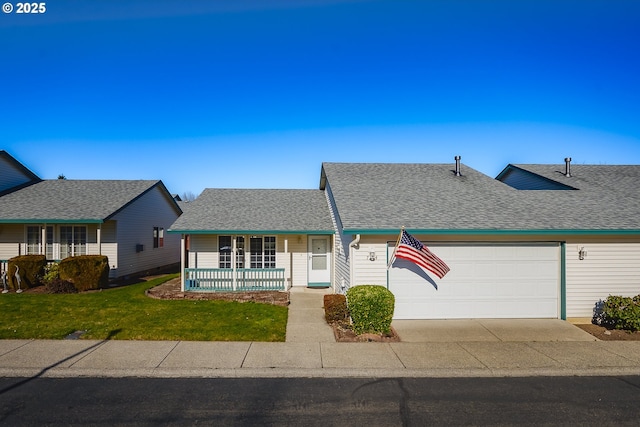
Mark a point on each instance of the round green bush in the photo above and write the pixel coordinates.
(371, 308)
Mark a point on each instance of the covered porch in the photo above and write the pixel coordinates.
(256, 239)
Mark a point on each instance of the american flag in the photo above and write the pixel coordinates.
(413, 250)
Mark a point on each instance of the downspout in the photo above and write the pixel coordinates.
(353, 245)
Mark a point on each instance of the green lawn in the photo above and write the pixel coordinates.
(126, 313)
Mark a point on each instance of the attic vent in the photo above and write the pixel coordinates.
(457, 158)
(567, 167)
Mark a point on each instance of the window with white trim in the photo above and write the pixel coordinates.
(224, 251)
(49, 245)
(34, 239)
(225, 245)
(73, 240)
(262, 251)
(158, 237)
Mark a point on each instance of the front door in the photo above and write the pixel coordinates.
(319, 261)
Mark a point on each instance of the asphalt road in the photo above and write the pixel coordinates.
(323, 402)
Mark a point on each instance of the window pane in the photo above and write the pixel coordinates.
(79, 241)
(239, 251)
(66, 240)
(33, 240)
(256, 252)
(224, 245)
(270, 252)
(319, 262)
(49, 247)
(155, 237)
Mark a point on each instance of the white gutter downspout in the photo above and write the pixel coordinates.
(352, 246)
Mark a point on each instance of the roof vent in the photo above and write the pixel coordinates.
(458, 165)
(567, 167)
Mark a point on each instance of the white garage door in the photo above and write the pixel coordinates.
(485, 281)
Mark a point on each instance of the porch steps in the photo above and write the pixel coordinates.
(306, 322)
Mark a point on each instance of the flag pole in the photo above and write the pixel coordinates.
(393, 256)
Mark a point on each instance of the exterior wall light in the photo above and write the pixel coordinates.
(582, 253)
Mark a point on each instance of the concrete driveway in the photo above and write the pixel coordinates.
(505, 330)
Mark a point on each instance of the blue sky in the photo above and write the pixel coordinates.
(257, 94)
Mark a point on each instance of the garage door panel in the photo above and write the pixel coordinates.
(485, 281)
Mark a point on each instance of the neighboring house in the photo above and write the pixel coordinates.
(126, 220)
(243, 239)
(13, 174)
(596, 212)
(512, 253)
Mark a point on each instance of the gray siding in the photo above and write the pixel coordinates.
(135, 226)
(523, 180)
(341, 273)
(10, 175)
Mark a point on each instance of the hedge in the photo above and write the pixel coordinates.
(30, 269)
(85, 271)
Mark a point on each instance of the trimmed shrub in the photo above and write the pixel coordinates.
(30, 269)
(371, 308)
(85, 271)
(619, 313)
(335, 308)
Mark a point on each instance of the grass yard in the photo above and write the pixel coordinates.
(126, 313)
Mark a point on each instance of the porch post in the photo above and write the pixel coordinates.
(233, 262)
(43, 240)
(99, 238)
(182, 266)
(287, 257)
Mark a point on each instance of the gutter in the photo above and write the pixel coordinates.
(355, 244)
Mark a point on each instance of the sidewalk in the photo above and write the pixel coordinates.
(478, 349)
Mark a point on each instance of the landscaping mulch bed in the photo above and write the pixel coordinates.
(344, 333)
(171, 291)
(605, 334)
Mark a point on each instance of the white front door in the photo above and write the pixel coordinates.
(319, 261)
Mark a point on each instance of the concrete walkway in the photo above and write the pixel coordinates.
(451, 348)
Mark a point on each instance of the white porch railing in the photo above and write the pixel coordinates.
(222, 279)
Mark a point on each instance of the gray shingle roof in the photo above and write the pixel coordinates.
(607, 197)
(256, 210)
(379, 197)
(63, 200)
